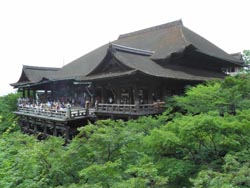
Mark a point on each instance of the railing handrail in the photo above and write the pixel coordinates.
(69, 113)
(138, 109)
(63, 114)
(107, 104)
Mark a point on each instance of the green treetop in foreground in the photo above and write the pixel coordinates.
(202, 140)
(246, 56)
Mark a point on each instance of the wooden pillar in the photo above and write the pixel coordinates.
(35, 128)
(46, 94)
(54, 130)
(130, 95)
(52, 94)
(92, 101)
(28, 92)
(23, 92)
(45, 131)
(150, 91)
(118, 91)
(66, 134)
(34, 94)
(102, 95)
(136, 94)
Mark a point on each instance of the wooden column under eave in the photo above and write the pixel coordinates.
(52, 94)
(34, 94)
(118, 94)
(45, 130)
(23, 92)
(150, 91)
(28, 92)
(54, 130)
(102, 95)
(136, 94)
(46, 94)
(66, 133)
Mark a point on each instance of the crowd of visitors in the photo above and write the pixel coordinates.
(59, 104)
(45, 106)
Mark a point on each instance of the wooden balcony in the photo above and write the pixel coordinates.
(58, 115)
(101, 109)
(130, 109)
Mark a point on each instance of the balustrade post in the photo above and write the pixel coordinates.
(68, 112)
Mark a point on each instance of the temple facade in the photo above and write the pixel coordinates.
(126, 78)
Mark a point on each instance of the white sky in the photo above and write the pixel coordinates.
(55, 32)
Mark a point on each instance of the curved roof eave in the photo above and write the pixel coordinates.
(204, 46)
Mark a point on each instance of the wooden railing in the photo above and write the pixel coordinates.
(140, 109)
(126, 109)
(59, 114)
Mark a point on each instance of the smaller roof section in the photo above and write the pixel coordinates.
(34, 74)
(237, 55)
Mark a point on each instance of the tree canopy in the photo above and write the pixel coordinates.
(246, 56)
(201, 140)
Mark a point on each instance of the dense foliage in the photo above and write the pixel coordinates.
(246, 56)
(7, 106)
(201, 140)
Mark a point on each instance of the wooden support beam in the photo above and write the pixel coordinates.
(102, 95)
(130, 90)
(150, 91)
(66, 135)
(28, 92)
(45, 130)
(46, 94)
(34, 94)
(23, 92)
(118, 91)
(136, 94)
(35, 128)
(54, 130)
(52, 94)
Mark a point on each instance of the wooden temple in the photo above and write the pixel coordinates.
(126, 78)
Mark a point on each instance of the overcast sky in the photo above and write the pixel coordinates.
(55, 32)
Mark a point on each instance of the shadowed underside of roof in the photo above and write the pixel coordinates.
(147, 66)
(143, 64)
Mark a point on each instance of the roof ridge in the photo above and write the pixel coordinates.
(131, 50)
(162, 26)
(39, 67)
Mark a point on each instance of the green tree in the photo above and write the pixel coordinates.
(246, 56)
(204, 144)
(226, 96)
(8, 104)
(235, 173)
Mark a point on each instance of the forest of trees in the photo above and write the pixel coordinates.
(202, 140)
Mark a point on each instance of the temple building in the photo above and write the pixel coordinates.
(126, 78)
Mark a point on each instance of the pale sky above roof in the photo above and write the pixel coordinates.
(55, 32)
